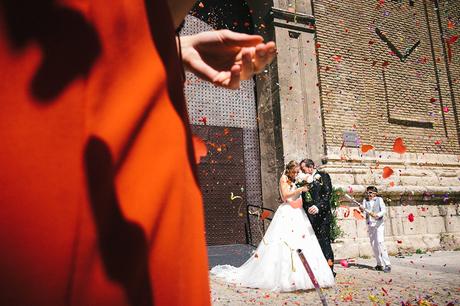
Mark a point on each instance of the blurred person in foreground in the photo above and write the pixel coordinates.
(92, 122)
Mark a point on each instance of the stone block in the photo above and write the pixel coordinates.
(424, 210)
(395, 211)
(346, 248)
(361, 229)
(349, 228)
(365, 249)
(343, 179)
(432, 241)
(448, 173)
(411, 180)
(417, 172)
(397, 227)
(449, 181)
(452, 224)
(388, 229)
(434, 210)
(365, 180)
(448, 210)
(392, 246)
(409, 209)
(417, 227)
(412, 243)
(435, 225)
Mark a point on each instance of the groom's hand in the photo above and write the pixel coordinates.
(313, 210)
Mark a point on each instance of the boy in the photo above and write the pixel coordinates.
(374, 207)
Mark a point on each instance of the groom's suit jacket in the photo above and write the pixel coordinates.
(321, 192)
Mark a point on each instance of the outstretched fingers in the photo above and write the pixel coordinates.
(264, 54)
(229, 79)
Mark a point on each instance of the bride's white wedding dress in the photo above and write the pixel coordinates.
(275, 265)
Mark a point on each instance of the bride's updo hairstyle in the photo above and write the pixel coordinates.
(290, 165)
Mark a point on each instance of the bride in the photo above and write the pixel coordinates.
(275, 264)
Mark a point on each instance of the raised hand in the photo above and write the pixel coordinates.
(224, 57)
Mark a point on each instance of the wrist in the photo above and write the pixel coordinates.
(184, 45)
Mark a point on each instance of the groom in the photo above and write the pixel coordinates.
(318, 207)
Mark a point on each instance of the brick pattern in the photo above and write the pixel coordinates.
(355, 64)
(450, 18)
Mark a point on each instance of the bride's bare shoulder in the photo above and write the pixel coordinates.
(283, 179)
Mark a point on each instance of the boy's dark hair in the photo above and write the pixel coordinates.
(308, 162)
(372, 188)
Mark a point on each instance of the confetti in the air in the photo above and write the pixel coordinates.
(398, 146)
(411, 217)
(234, 197)
(265, 215)
(387, 172)
(366, 148)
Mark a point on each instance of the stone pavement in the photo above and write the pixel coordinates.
(418, 279)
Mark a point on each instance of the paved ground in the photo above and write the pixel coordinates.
(425, 279)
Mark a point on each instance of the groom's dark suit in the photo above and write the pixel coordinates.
(321, 191)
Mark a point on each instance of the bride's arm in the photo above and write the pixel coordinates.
(285, 190)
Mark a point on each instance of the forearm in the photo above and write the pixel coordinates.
(179, 9)
(287, 193)
(382, 211)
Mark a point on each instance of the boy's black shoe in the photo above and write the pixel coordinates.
(378, 268)
(387, 269)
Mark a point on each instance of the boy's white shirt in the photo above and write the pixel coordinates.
(376, 205)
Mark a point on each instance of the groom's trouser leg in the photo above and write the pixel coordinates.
(322, 231)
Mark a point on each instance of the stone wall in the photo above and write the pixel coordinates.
(425, 185)
(371, 90)
(434, 227)
(384, 70)
(368, 88)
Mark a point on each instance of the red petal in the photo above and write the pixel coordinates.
(200, 148)
(410, 217)
(452, 39)
(399, 146)
(387, 172)
(265, 215)
(365, 148)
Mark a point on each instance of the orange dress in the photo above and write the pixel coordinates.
(93, 131)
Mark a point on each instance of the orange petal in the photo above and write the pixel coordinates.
(365, 148)
(387, 172)
(357, 215)
(200, 148)
(265, 215)
(399, 146)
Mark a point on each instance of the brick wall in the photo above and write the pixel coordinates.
(364, 85)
